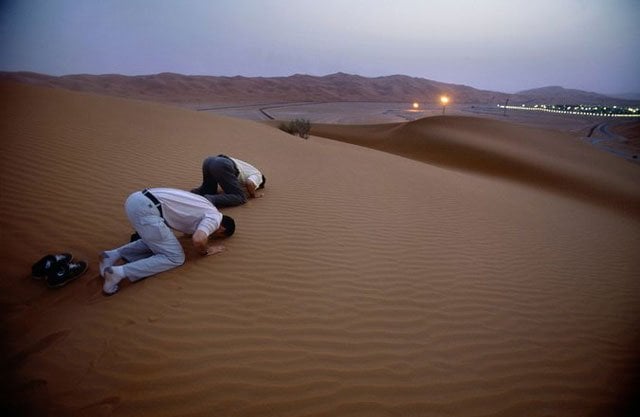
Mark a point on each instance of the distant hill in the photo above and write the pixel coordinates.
(201, 90)
(560, 95)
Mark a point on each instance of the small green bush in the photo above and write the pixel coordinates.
(299, 127)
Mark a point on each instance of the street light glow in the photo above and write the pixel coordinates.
(444, 100)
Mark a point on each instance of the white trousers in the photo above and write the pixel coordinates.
(158, 249)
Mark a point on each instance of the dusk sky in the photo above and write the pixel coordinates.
(500, 45)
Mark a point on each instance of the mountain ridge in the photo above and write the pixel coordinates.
(339, 86)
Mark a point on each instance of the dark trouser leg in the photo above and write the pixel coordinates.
(209, 183)
(222, 171)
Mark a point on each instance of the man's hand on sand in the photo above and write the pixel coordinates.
(200, 241)
(214, 249)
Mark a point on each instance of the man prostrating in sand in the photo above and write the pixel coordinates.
(153, 213)
(237, 179)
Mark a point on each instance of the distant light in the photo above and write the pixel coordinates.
(600, 111)
(416, 105)
(444, 100)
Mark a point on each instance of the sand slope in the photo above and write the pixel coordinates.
(363, 283)
(539, 158)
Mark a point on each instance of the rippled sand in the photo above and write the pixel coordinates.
(446, 267)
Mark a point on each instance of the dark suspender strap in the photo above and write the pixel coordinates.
(153, 199)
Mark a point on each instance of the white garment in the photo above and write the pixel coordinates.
(158, 249)
(248, 173)
(187, 212)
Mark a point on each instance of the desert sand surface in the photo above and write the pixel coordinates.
(452, 266)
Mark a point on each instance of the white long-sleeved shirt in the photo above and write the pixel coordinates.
(248, 173)
(187, 212)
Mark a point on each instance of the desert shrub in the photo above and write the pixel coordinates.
(299, 127)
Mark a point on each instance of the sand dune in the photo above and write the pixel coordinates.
(198, 89)
(202, 89)
(364, 283)
(540, 158)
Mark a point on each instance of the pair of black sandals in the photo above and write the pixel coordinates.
(58, 270)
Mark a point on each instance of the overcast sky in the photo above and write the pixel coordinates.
(500, 45)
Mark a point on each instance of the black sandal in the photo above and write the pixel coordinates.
(45, 265)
